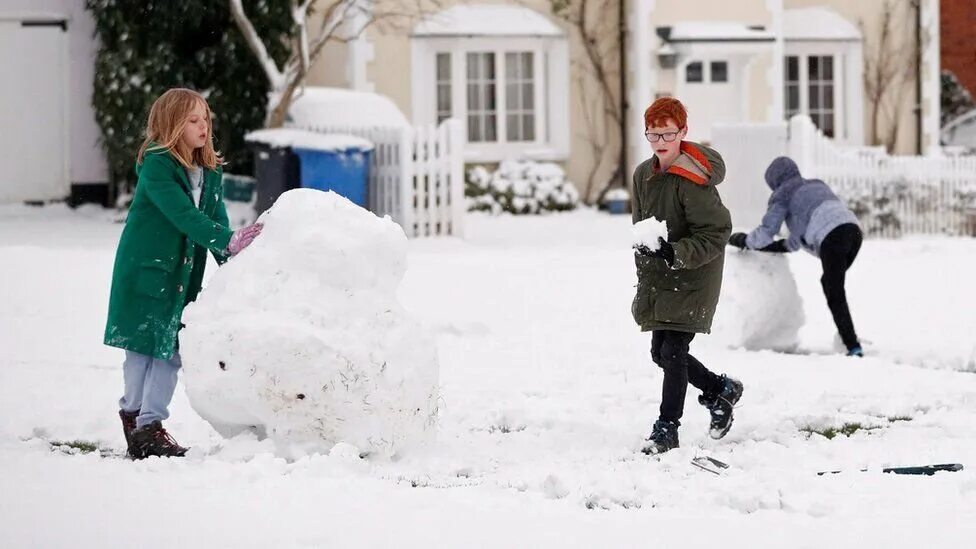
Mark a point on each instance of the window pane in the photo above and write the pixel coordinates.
(474, 128)
(827, 64)
(527, 66)
(528, 127)
(490, 134)
(528, 97)
(443, 66)
(488, 71)
(828, 124)
(793, 68)
(828, 96)
(512, 97)
(793, 98)
(489, 97)
(474, 98)
(693, 72)
(512, 131)
(472, 62)
(511, 66)
(720, 71)
(813, 68)
(814, 96)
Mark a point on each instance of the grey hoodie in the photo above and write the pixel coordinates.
(811, 210)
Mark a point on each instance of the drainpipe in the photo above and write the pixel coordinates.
(622, 44)
(918, 76)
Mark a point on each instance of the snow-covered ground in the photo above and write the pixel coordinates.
(547, 390)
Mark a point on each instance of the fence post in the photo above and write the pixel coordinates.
(456, 200)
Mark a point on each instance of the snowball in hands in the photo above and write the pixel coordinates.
(647, 232)
(301, 337)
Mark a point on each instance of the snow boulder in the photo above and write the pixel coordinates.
(301, 338)
(760, 306)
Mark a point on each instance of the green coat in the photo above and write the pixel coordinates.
(682, 297)
(162, 255)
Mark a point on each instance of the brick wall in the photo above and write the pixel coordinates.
(958, 44)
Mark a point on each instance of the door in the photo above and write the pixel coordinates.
(33, 117)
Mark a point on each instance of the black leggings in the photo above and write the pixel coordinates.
(669, 350)
(837, 253)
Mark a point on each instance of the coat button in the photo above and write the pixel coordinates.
(179, 288)
(186, 260)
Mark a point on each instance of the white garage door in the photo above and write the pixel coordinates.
(33, 117)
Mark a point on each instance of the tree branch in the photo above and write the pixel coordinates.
(275, 76)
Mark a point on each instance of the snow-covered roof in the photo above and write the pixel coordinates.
(818, 24)
(487, 20)
(302, 139)
(717, 31)
(338, 107)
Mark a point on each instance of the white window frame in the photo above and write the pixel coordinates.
(550, 61)
(848, 87)
(706, 71)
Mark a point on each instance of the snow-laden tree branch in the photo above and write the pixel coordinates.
(342, 21)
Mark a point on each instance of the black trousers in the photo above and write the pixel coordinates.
(837, 253)
(669, 350)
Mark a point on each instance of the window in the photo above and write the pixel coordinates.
(443, 87)
(820, 82)
(482, 109)
(720, 71)
(809, 83)
(519, 97)
(693, 72)
(792, 92)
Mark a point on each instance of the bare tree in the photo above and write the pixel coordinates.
(595, 22)
(888, 67)
(342, 21)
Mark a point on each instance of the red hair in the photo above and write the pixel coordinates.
(664, 109)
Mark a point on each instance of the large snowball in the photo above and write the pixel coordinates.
(301, 338)
(760, 306)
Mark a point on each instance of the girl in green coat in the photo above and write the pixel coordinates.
(177, 216)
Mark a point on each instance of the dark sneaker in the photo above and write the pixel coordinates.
(855, 351)
(720, 406)
(128, 425)
(664, 437)
(153, 440)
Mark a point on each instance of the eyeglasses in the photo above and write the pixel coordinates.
(655, 137)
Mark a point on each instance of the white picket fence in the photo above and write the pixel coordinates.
(891, 195)
(416, 175)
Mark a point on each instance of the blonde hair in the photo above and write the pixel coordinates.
(164, 130)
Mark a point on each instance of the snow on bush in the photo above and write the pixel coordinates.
(760, 306)
(647, 232)
(301, 338)
(520, 187)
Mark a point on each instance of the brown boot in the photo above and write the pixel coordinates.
(128, 425)
(153, 440)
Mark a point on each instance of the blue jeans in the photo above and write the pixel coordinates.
(149, 386)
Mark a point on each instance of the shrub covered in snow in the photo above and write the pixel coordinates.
(520, 187)
(301, 338)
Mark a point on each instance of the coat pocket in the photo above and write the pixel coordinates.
(680, 307)
(154, 279)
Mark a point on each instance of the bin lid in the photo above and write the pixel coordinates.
(281, 138)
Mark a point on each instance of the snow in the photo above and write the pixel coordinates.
(301, 339)
(716, 30)
(760, 306)
(818, 23)
(335, 107)
(647, 232)
(546, 392)
(302, 139)
(487, 20)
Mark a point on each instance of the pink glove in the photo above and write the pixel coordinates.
(242, 238)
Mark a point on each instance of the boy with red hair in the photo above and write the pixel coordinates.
(678, 283)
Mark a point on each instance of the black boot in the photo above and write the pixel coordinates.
(153, 440)
(664, 437)
(128, 425)
(720, 406)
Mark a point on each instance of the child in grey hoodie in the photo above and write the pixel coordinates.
(818, 222)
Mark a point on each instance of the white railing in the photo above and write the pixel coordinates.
(416, 175)
(891, 195)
